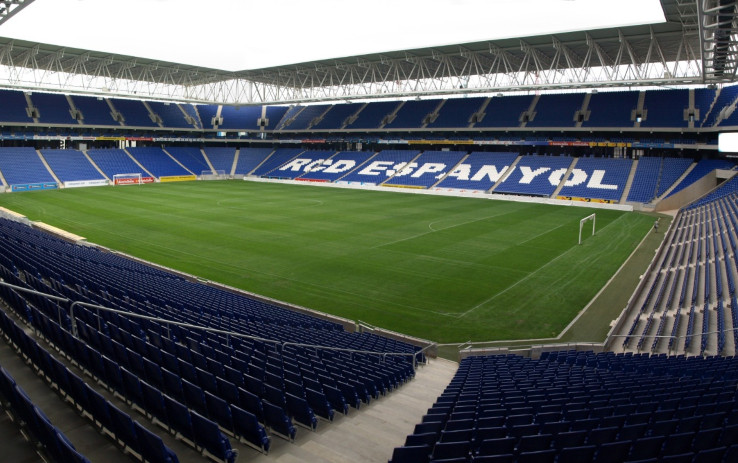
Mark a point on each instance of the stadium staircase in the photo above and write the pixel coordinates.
(391, 116)
(629, 182)
(51, 172)
(76, 113)
(448, 172)
(95, 165)
(143, 169)
(507, 174)
(583, 111)
(179, 163)
(207, 159)
(235, 162)
(400, 170)
(430, 118)
(564, 178)
(639, 109)
(676, 183)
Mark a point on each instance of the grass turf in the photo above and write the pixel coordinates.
(442, 268)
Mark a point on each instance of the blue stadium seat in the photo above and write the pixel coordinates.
(211, 440)
(180, 420)
(248, 428)
(152, 447)
(300, 411)
(278, 421)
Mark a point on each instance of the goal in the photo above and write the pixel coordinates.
(127, 179)
(581, 225)
(213, 175)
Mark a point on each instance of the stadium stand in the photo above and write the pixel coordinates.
(207, 113)
(305, 118)
(688, 302)
(645, 182)
(191, 111)
(14, 107)
(52, 108)
(304, 163)
(114, 161)
(373, 115)
(70, 165)
(703, 101)
(337, 116)
(666, 108)
(52, 444)
(221, 158)
(479, 171)
(725, 97)
(505, 111)
(457, 112)
(279, 157)
(702, 168)
(535, 175)
(240, 117)
(157, 162)
(134, 112)
(338, 166)
(556, 110)
(23, 166)
(428, 169)
(170, 114)
(380, 167)
(266, 368)
(250, 158)
(598, 178)
(95, 111)
(412, 114)
(611, 109)
(274, 114)
(580, 406)
(671, 170)
(190, 157)
(290, 115)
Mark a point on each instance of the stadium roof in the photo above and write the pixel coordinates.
(695, 45)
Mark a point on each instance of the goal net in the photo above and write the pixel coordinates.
(581, 225)
(127, 179)
(213, 175)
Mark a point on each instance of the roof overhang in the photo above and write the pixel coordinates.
(696, 45)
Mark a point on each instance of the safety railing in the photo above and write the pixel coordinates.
(168, 323)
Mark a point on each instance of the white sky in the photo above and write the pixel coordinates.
(236, 35)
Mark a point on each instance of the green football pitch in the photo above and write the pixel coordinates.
(442, 268)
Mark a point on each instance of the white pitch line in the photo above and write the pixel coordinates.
(525, 278)
(432, 230)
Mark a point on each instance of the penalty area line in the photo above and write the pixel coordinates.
(533, 273)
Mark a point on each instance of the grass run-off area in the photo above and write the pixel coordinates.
(442, 268)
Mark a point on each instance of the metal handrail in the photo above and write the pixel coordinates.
(282, 344)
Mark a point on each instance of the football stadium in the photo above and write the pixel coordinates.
(495, 231)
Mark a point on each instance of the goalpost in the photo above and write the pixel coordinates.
(581, 225)
(213, 175)
(127, 179)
